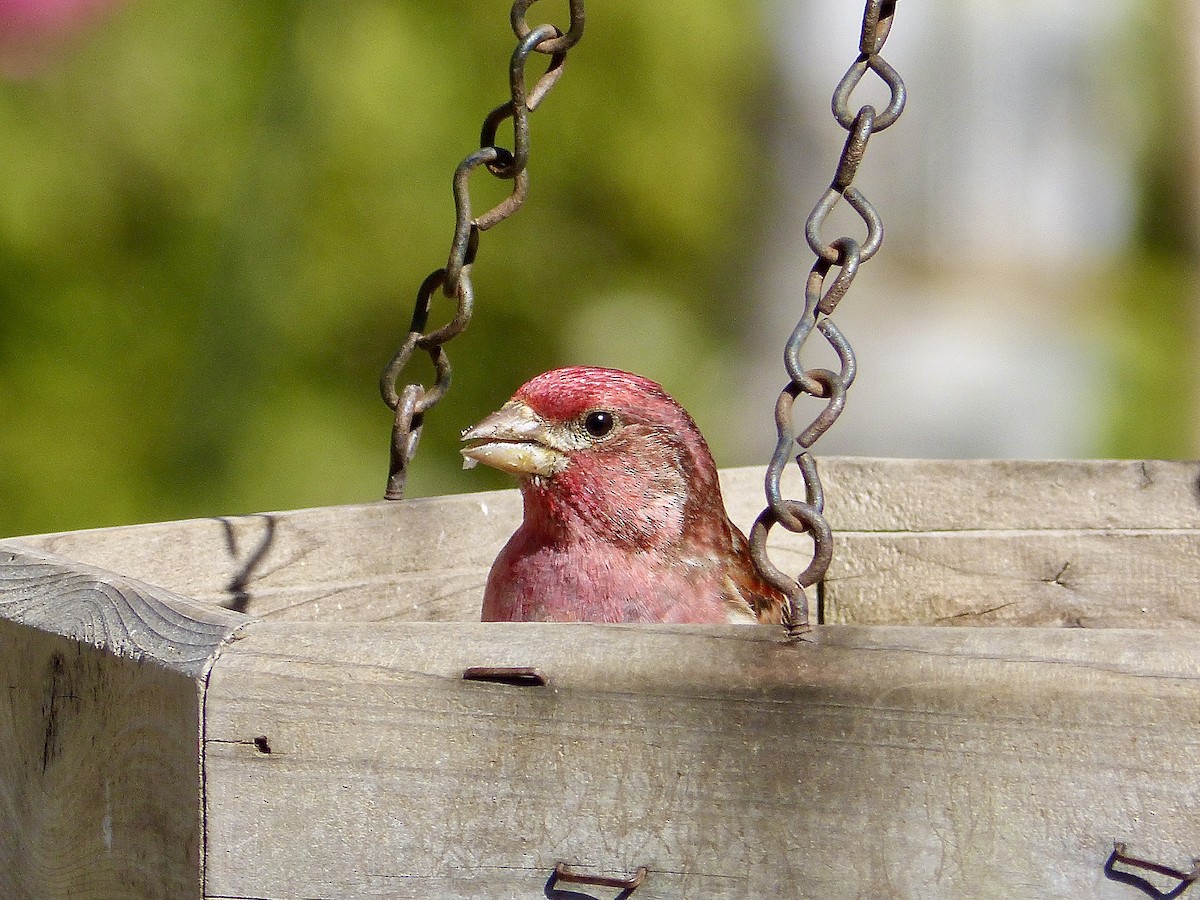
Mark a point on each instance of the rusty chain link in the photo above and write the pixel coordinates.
(412, 402)
(846, 255)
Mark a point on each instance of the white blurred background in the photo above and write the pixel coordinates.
(1007, 190)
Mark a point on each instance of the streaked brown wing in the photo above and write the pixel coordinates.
(751, 592)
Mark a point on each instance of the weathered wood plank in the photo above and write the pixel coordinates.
(897, 762)
(99, 731)
(426, 560)
(416, 559)
(99, 773)
(1010, 494)
(1074, 579)
(110, 611)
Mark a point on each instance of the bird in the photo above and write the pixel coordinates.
(623, 516)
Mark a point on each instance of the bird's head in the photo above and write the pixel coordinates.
(602, 450)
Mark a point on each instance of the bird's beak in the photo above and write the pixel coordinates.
(514, 439)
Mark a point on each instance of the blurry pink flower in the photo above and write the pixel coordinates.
(32, 31)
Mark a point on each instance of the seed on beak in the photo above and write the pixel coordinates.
(514, 439)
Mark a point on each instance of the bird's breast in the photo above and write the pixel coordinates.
(533, 581)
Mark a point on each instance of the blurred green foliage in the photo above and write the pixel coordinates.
(1152, 290)
(216, 215)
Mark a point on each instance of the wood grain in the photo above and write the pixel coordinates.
(918, 541)
(329, 759)
(1072, 579)
(99, 731)
(420, 559)
(99, 779)
(127, 617)
(923, 495)
(866, 762)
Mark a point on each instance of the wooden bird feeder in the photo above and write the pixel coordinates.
(305, 705)
(323, 742)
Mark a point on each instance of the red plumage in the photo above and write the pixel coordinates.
(624, 520)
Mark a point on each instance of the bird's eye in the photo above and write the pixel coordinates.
(599, 422)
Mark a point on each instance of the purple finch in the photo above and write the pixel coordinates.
(624, 520)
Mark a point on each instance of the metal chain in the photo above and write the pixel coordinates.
(846, 255)
(412, 402)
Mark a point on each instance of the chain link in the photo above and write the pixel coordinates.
(411, 402)
(845, 254)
